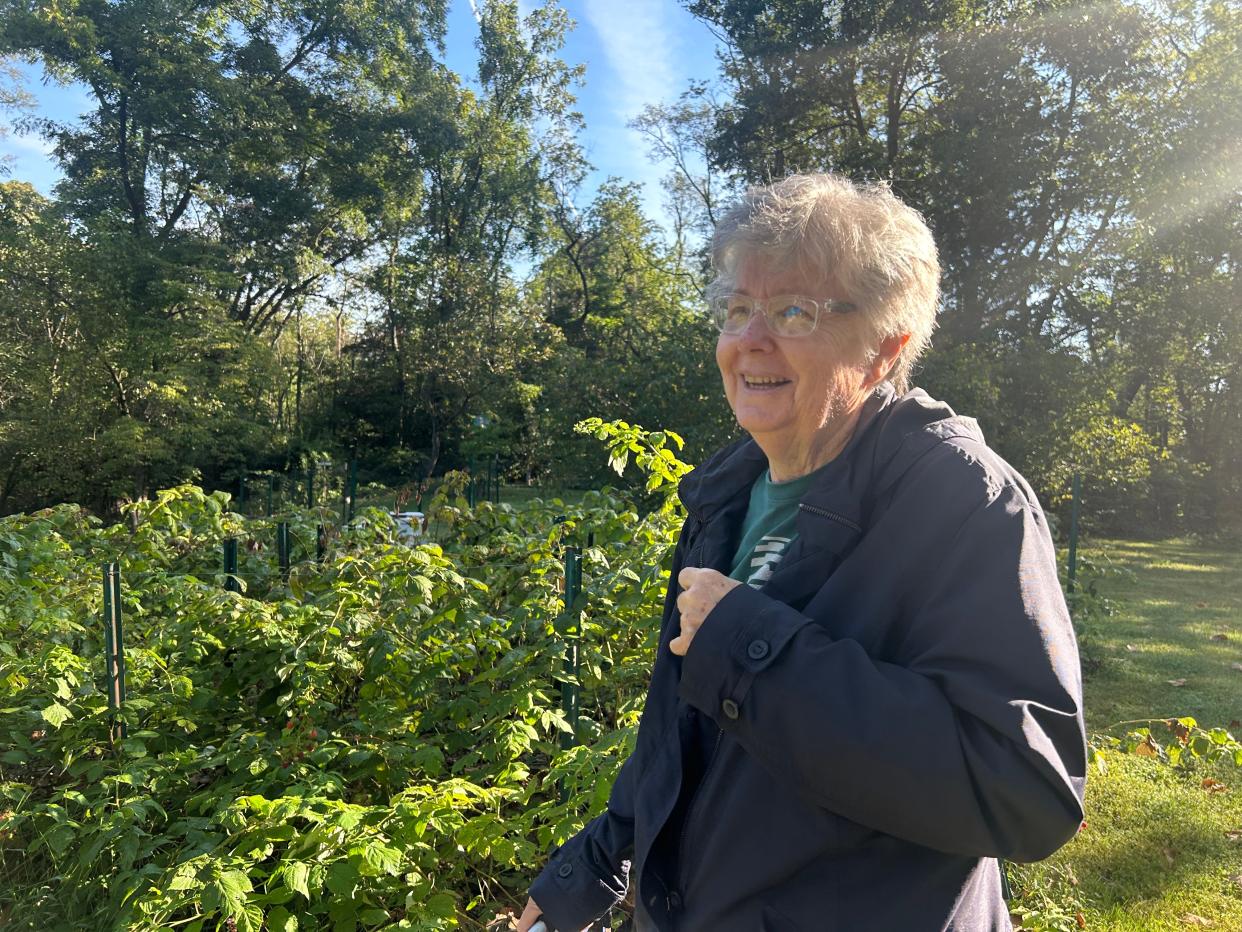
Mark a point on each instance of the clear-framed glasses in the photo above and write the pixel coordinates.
(787, 315)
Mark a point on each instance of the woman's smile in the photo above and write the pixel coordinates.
(764, 383)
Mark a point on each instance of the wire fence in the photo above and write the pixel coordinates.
(348, 486)
(229, 578)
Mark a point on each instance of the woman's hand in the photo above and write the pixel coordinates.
(530, 916)
(701, 590)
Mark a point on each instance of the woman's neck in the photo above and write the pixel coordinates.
(789, 459)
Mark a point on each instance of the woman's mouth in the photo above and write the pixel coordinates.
(763, 383)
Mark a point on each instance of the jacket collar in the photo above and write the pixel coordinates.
(892, 434)
(730, 472)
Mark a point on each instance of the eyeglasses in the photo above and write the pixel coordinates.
(787, 315)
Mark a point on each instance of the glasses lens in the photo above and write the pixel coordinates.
(731, 313)
(790, 317)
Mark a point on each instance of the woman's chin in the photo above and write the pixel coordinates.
(759, 422)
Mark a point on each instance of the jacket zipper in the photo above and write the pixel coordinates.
(831, 516)
(711, 761)
(691, 811)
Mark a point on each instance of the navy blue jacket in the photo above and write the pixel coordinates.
(899, 706)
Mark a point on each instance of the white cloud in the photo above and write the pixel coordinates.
(639, 41)
(29, 144)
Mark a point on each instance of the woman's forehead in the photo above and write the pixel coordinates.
(758, 275)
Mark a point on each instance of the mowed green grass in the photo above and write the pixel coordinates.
(1160, 852)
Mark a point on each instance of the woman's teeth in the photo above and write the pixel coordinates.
(763, 381)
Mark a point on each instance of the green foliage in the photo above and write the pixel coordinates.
(1054, 904)
(1090, 608)
(1184, 744)
(651, 452)
(375, 744)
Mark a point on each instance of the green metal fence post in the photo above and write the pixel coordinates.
(1072, 572)
(114, 648)
(231, 583)
(321, 542)
(570, 632)
(282, 549)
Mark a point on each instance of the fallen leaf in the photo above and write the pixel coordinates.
(1147, 748)
(1214, 786)
(1236, 879)
(1220, 637)
(1182, 681)
(1191, 919)
(1182, 732)
(1200, 605)
(1234, 834)
(1081, 920)
(1168, 855)
(1131, 648)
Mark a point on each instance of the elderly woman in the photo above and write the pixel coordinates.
(867, 689)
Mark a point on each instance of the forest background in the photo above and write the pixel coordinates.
(287, 229)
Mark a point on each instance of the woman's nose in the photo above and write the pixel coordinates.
(756, 332)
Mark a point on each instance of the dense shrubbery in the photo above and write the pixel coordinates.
(375, 745)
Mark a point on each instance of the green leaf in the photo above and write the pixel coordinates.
(382, 858)
(442, 906)
(296, 875)
(250, 919)
(231, 888)
(342, 879)
(56, 715)
(281, 920)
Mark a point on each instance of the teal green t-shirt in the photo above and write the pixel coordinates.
(769, 528)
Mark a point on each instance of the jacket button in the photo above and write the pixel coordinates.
(729, 707)
(674, 901)
(564, 870)
(757, 650)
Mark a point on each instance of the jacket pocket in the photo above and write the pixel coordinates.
(771, 920)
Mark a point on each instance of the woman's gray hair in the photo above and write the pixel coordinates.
(879, 249)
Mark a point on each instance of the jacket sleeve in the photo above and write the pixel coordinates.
(589, 874)
(970, 740)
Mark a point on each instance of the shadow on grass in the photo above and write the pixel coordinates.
(1153, 834)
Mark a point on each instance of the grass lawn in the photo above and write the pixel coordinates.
(1159, 851)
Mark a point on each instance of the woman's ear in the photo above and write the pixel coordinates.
(885, 358)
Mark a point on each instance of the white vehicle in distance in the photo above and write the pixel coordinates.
(411, 525)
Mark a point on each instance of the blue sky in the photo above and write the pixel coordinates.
(636, 52)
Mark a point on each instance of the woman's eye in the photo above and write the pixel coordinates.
(793, 312)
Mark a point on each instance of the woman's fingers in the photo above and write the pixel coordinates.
(701, 590)
(531, 913)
